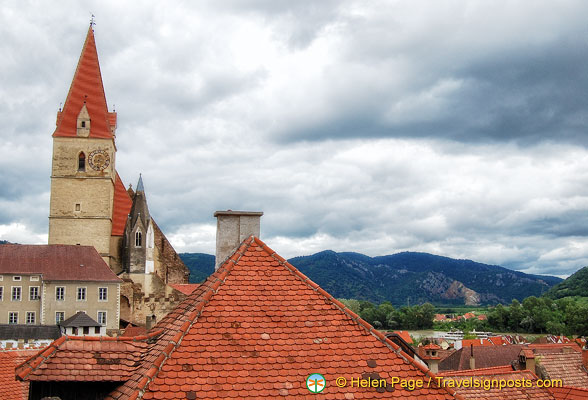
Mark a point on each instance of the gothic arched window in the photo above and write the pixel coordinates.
(82, 162)
(138, 239)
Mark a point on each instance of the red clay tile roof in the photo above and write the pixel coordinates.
(554, 347)
(86, 359)
(485, 356)
(56, 262)
(478, 371)
(10, 388)
(186, 288)
(496, 393)
(466, 343)
(131, 331)
(405, 336)
(261, 327)
(568, 393)
(565, 366)
(121, 207)
(256, 328)
(86, 86)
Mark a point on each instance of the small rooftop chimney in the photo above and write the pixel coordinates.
(472, 358)
(232, 227)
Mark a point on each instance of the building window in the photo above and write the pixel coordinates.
(138, 238)
(34, 278)
(81, 294)
(16, 292)
(83, 124)
(13, 317)
(78, 207)
(86, 330)
(102, 317)
(102, 294)
(59, 317)
(17, 278)
(60, 293)
(97, 330)
(34, 293)
(82, 162)
(1, 293)
(30, 318)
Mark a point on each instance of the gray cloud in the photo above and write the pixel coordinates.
(375, 127)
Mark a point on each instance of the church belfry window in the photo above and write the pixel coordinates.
(82, 162)
(138, 239)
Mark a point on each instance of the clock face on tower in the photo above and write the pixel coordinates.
(99, 160)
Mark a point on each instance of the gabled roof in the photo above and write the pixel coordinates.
(485, 356)
(10, 388)
(86, 88)
(566, 366)
(121, 207)
(257, 327)
(261, 327)
(79, 319)
(56, 262)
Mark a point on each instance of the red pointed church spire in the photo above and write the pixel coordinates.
(87, 89)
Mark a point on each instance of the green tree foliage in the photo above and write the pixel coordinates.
(565, 316)
(385, 316)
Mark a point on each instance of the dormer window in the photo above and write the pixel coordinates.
(82, 162)
(138, 239)
(83, 124)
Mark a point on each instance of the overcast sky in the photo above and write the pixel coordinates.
(456, 127)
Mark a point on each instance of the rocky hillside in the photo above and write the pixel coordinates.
(407, 278)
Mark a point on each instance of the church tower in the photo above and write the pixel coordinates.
(139, 239)
(83, 175)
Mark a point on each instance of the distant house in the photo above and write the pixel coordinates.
(480, 357)
(46, 284)
(81, 324)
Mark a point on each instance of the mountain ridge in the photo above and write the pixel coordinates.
(406, 277)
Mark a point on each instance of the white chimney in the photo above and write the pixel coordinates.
(232, 227)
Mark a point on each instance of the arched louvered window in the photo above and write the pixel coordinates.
(82, 162)
(138, 239)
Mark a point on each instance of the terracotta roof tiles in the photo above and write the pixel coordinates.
(565, 366)
(86, 88)
(186, 288)
(568, 393)
(56, 262)
(256, 328)
(10, 388)
(121, 207)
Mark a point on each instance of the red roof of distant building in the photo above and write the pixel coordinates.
(475, 342)
(131, 331)
(257, 327)
(405, 336)
(121, 207)
(479, 371)
(568, 393)
(432, 346)
(186, 288)
(469, 315)
(86, 87)
(56, 262)
(495, 392)
(485, 356)
(10, 388)
(566, 366)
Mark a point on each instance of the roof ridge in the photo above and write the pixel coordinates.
(223, 271)
(356, 318)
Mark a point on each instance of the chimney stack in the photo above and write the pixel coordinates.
(232, 227)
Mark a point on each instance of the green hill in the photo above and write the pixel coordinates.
(576, 285)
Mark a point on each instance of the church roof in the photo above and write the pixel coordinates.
(56, 262)
(121, 207)
(86, 88)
